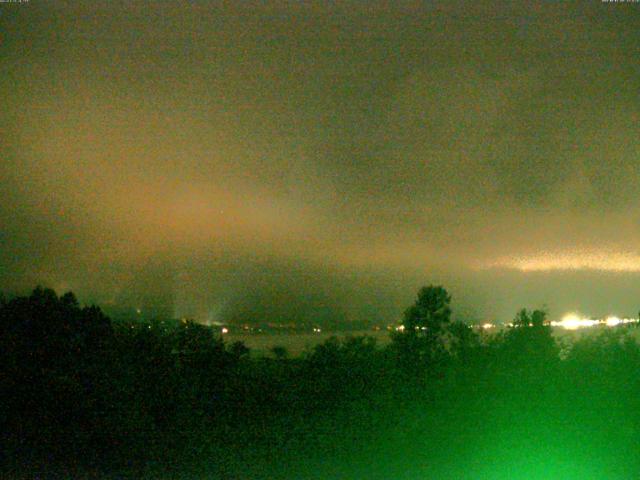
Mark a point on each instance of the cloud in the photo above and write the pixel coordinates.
(293, 162)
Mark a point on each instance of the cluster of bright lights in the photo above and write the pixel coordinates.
(401, 328)
(572, 321)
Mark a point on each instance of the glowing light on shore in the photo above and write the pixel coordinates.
(573, 322)
(612, 321)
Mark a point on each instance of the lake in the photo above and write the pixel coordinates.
(296, 344)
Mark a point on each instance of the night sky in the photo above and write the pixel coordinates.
(321, 161)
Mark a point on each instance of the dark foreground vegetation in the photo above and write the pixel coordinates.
(82, 397)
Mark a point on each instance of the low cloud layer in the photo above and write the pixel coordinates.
(291, 162)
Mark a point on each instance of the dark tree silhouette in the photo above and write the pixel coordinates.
(422, 344)
(538, 317)
(170, 399)
(522, 318)
(51, 330)
(464, 342)
(239, 350)
(194, 338)
(431, 311)
(530, 343)
(525, 318)
(280, 352)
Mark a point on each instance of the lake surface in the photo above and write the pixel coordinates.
(296, 344)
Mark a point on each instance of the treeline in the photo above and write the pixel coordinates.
(85, 397)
